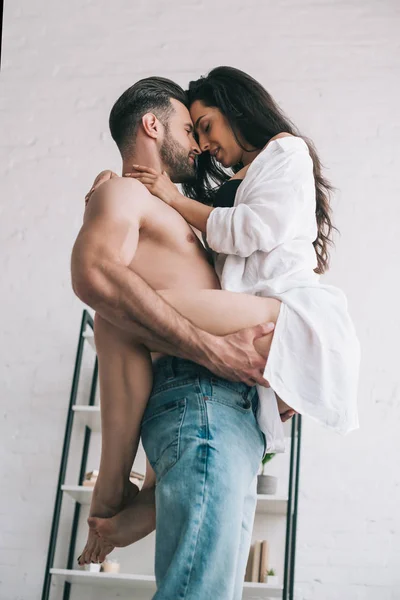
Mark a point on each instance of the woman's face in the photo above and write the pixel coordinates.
(215, 134)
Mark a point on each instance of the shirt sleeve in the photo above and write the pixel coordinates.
(269, 212)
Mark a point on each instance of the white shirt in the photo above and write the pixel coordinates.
(264, 246)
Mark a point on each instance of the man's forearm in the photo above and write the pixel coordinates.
(122, 297)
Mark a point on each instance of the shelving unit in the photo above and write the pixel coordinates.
(148, 582)
(274, 505)
(89, 417)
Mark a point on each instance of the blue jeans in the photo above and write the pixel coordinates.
(201, 437)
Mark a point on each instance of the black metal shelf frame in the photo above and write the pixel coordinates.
(292, 509)
(293, 485)
(86, 321)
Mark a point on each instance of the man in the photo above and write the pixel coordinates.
(205, 446)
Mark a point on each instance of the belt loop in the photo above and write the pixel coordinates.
(174, 367)
(169, 367)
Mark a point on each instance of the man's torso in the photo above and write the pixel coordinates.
(169, 254)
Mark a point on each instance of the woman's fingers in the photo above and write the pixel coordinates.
(145, 180)
(142, 169)
(100, 179)
(141, 175)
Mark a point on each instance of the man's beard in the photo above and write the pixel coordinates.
(176, 161)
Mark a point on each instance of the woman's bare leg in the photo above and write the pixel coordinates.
(125, 371)
(221, 312)
(125, 376)
(132, 523)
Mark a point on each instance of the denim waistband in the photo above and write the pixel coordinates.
(170, 368)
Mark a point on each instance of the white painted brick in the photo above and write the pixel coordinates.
(334, 67)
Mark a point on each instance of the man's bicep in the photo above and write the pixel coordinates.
(111, 227)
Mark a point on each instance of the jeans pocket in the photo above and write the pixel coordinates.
(228, 395)
(160, 433)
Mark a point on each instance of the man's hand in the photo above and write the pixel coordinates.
(235, 358)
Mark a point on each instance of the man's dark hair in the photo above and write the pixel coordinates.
(152, 94)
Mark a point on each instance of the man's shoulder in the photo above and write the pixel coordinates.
(119, 195)
(118, 187)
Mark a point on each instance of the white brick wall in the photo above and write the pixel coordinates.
(334, 67)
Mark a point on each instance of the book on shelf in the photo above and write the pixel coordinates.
(257, 562)
(255, 569)
(247, 576)
(264, 561)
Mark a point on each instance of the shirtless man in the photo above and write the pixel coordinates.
(199, 430)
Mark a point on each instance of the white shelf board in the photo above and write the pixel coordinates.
(273, 505)
(261, 591)
(88, 415)
(79, 493)
(122, 580)
(251, 591)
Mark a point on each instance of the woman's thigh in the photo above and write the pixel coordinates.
(221, 312)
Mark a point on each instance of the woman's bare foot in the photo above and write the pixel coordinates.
(128, 526)
(96, 547)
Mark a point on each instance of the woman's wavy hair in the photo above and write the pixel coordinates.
(254, 117)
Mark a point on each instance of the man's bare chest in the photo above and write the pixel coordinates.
(164, 228)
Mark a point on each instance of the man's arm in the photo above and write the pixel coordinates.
(101, 278)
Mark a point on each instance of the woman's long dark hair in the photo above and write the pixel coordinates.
(255, 117)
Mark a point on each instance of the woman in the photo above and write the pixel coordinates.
(269, 228)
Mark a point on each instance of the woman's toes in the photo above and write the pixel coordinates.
(98, 552)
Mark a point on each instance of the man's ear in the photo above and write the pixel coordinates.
(151, 125)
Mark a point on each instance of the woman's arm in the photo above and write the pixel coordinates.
(271, 208)
(192, 211)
